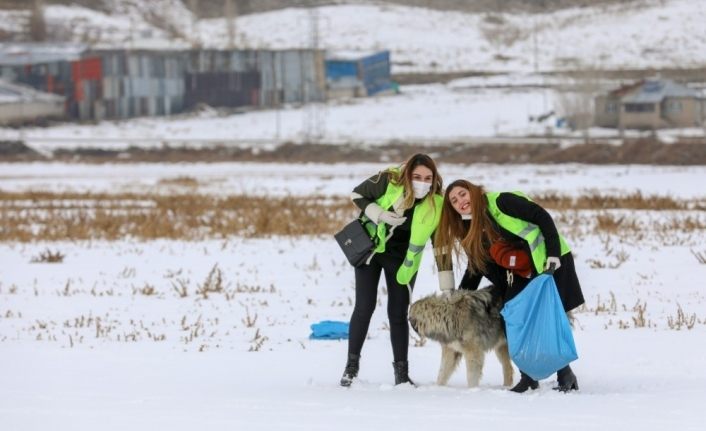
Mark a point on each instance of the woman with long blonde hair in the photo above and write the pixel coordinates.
(401, 207)
(508, 239)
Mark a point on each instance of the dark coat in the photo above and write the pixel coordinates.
(565, 277)
(368, 192)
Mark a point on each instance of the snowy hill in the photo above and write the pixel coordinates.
(653, 34)
(637, 35)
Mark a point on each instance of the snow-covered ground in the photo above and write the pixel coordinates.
(430, 112)
(118, 337)
(272, 179)
(439, 113)
(105, 340)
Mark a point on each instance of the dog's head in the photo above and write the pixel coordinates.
(415, 312)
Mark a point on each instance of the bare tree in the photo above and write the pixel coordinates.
(37, 25)
(577, 104)
(194, 6)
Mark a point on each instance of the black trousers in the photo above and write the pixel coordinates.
(367, 278)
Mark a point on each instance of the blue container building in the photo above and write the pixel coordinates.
(370, 70)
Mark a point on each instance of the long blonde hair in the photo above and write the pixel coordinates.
(451, 235)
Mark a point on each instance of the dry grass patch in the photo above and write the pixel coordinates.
(180, 181)
(46, 216)
(48, 256)
(597, 201)
(681, 320)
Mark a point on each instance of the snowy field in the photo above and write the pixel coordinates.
(127, 335)
(460, 111)
(431, 113)
(272, 179)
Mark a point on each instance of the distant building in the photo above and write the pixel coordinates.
(650, 104)
(116, 84)
(355, 74)
(20, 104)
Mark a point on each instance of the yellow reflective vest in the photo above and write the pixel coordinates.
(529, 232)
(425, 219)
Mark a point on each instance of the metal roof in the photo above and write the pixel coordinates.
(18, 54)
(655, 90)
(17, 93)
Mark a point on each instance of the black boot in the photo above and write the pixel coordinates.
(402, 373)
(526, 382)
(567, 380)
(351, 371)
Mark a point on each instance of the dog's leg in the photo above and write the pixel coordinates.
(449, 361)
(474, 366)
(504, 357)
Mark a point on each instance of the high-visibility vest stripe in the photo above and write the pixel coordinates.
(416, 248)
(529, 232)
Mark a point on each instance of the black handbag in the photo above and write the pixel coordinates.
(356, 243)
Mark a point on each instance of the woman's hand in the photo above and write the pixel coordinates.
(391, 218)
(375, 213)
(553, 263)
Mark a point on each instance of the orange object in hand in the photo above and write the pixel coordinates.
(510, 257)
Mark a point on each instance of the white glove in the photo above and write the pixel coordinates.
(553, 263)
(392, 219)
(375, 213)
(446, 281)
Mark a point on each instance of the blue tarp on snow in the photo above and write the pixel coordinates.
(329, 330)
(538, 332)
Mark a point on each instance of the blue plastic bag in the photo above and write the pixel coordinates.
(539, 335)
(329, 330)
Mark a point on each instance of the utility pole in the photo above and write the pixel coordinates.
(22, 134)
(37, 25)
(229, 10)
(314, 121)
(313, 26)
(540, 10)
(703, 115)
(194, 7)
(535, 48)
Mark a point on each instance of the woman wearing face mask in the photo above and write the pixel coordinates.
(509, 240)
(404, 205)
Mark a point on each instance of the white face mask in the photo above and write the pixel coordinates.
(420, 189)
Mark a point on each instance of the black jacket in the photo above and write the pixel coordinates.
(565, 277)
(368, 192)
